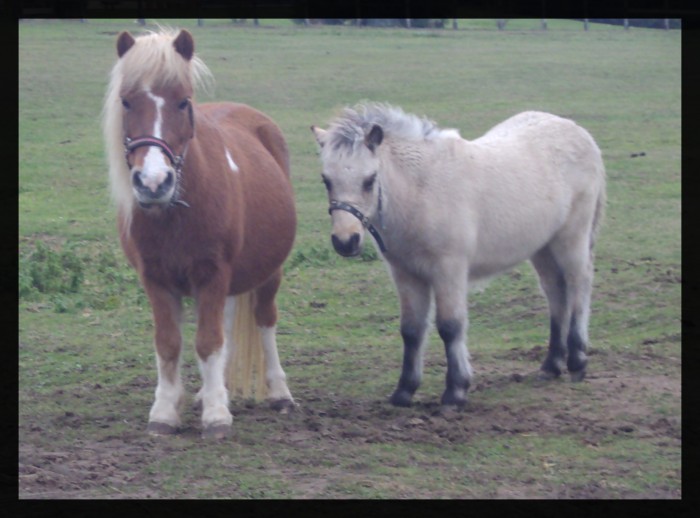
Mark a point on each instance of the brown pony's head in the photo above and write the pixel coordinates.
(149, 112)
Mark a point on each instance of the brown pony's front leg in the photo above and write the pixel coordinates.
(212, 357)
(167, 310)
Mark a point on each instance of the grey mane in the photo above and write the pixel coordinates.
(349, 130)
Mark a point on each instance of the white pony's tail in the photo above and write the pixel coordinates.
(598, 217)
(245, 372)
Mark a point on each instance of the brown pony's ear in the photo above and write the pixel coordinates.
(184, 44)
(124, 42)
(320, 135)
(374, 137)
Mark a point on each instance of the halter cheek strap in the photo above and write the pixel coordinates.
(340, 205)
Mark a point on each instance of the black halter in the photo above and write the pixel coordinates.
(176, 160)
(340, 205)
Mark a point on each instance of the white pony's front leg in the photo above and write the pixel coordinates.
(278, 393)
(451, 322)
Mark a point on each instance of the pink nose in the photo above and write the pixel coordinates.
(151, 189)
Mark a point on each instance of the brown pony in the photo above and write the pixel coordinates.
(205, 209)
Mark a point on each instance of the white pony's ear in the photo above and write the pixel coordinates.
(320, 135)
(374, 137)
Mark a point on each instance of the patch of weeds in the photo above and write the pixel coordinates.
(45, 271)
(70, 281)
(312, 256)
(112, 280)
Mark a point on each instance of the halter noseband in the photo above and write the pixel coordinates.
(176, 160)
(340, 205)
(131, 144)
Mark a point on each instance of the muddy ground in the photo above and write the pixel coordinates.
(111, 468)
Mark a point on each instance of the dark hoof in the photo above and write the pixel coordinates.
(544, 375)
(283, 406)
(217, 431)
(577, 376)
(401, 398)
(450, 399)
(156, 428)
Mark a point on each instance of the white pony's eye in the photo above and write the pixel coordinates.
(327, 183)
(368, 184)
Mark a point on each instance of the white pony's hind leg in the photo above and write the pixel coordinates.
(452, 322)
(577, 339)
(566, 276)
(554, 286)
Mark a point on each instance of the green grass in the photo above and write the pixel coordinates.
(86, 363)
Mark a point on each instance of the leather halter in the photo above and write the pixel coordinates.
(177, 161)
(340, 205)
(131, 144)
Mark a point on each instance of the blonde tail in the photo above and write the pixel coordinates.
(245, 372)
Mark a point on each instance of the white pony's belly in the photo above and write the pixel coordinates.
(497, 250)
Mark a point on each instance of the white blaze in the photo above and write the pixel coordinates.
(155, 166)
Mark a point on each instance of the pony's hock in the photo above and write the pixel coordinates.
(195, 183)
(454, 211)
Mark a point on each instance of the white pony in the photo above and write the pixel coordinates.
(446, 212)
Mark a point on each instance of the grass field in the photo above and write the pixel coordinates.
(86, 362)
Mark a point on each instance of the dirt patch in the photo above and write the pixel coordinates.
(616, 403)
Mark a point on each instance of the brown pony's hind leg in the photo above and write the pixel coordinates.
(279, 396)
(167, 309)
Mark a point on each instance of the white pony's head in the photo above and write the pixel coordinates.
(350, 170)
(354, 149)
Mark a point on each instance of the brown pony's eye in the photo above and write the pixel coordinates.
(126, 104)
(184, 104)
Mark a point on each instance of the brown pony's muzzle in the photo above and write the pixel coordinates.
(155, 182)
(151, 193)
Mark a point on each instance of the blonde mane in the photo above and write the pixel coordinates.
(151, 62)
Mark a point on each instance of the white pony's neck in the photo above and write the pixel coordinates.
(405, 179)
